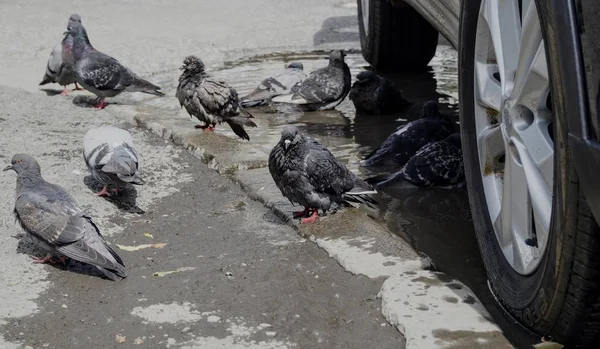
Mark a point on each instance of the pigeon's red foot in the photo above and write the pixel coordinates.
(304, 213)
(77, 88)
(101, 104)
(103, 192)
(47, 259)
(65, 91)
(206, 127)
(313, 218)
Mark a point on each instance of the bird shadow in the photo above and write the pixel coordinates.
(28, 247)
(125, 200)
(51, 92)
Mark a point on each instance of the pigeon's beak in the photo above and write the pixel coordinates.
(9, 167)
(286, 143)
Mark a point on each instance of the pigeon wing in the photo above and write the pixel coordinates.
(436, 164)
(218, 98)
(104, 73)
(325, 173)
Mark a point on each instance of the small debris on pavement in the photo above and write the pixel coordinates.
(140, 247)
(148, 235)
(178, 270)
(139, 340)
(228, 274)
(120, 338)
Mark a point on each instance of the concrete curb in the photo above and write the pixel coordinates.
(429, 309)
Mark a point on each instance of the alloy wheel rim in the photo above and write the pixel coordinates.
(513, 121)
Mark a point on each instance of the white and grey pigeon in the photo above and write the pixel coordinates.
(408, 139)
(375, 94)
(210, 100)
(59, 70)
(57, 224)
(308, 174)
(100, 73)
(274, 86)
(324, 88)
(437, 164)
(110, 156)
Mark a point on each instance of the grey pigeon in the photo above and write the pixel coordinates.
(111, 158)
(209, 100)
(308, 174)
(375, 94)
(324, 88)
(407, 140)
(56, 223)
(101, 74)
(437, 164)
(270, 87)
(58, 69)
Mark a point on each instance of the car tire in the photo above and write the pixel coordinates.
(388, 38)
(561, 297)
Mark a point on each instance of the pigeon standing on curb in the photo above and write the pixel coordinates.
(374, 94)
(324, 88)
(270, 87)
(209, 100)
(308, 174)
(407, 140)
(111, 158)
(56, 223)
(58, 69)
(437, 164)
(101, 74)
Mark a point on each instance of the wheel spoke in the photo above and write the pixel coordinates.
(541, 195)
(489, 93)
(513, 220)
(504, 24)
(540, 149)
(491, 147)
(531, 79)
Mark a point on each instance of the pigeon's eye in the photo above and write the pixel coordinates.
(19, 161)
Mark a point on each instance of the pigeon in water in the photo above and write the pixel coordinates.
(292, 76)
(101, 74)
(56, 223)
(58, 69)
(309, 175)
(324, 88)
(404, 143)
(374, 94)
(109, 155)
(209, 100)
(437, 164)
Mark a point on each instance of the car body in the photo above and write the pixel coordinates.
(529, 88)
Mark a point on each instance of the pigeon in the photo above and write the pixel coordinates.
(111, 158)
(404, 143)
(101, 74)
(308, 174)
(324, 88)
(377, 95)
(437, 164)
(270, 87)
(210, 100)
(57, 224)
(58, 69)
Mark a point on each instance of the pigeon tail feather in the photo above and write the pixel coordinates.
(46, 79)
(237, 125)
(362, 197)
(144, 86)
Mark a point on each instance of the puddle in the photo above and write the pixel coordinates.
(436, 222)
